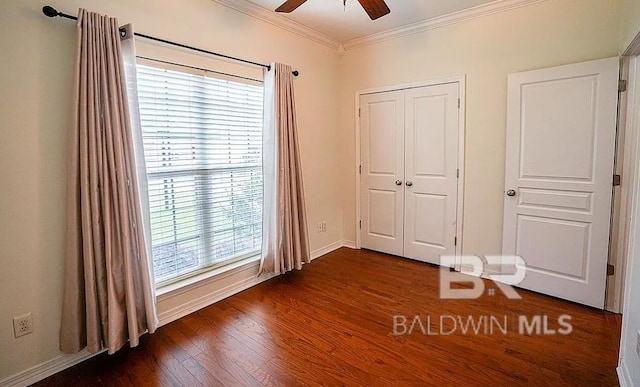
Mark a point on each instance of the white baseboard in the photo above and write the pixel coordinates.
(221, 294)
(624, 378)
(349, 244)
(47, 368)
(209, 299)
(62, 362)
(315, 254)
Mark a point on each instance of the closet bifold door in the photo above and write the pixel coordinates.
(382, 179)
(431, 165)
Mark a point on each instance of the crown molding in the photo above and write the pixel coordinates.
(488, 9)
(277, 20)
(268, 16)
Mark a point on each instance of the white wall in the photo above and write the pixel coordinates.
(36, 73)
(630, 22)
(550, 33)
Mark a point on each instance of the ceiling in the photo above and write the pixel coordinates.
(332, 19)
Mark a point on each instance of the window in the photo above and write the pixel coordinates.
(203, 151)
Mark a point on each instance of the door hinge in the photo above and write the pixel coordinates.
(611, 270)
(459, 103)
(455, 241)
(622, 86)
(359, 112)
(360, 170)
(617, 180)
(458, 173)
(360, 225)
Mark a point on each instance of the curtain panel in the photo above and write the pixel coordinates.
(109, 295)
(285, 242)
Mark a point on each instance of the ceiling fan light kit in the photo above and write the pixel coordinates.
(374, 8)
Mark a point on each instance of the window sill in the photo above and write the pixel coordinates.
(196, 280)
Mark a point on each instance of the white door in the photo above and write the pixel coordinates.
(409, 161)
(561, 129)
(431, 165)
(382, 176)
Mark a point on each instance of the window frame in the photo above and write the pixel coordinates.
(205, 174)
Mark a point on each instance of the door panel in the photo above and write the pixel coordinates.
(429, 231)
(427, 140)
(431, 160)
(382, 159)
(564, 252)
(382, 207)
(578, 202)
(561, 129)
(382, 118)
(550, 133)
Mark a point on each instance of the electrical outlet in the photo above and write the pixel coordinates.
(322, 226)
(22, 325)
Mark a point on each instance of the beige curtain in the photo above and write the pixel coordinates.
(285, 242)
(109, 295)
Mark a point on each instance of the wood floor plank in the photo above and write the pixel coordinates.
(332, 324)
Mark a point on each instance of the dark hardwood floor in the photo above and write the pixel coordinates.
(332, 324)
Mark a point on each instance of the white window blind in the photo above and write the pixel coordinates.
(203, 151)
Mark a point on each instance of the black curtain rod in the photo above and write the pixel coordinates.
(52, 12)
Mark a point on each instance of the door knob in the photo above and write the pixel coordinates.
(398, 182)
(511, 193)
(409, 183)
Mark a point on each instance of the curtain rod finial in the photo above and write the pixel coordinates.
(50, 11)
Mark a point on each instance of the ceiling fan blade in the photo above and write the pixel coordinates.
(375, 8)
(290, 5)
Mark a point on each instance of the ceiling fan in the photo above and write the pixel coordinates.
(374, 8)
